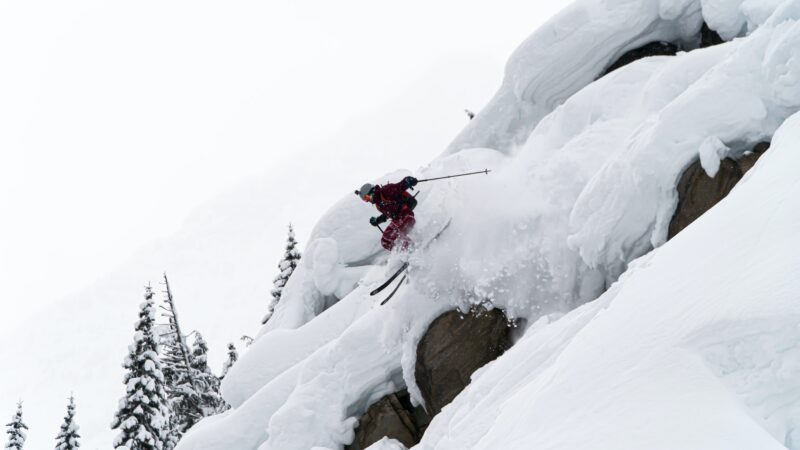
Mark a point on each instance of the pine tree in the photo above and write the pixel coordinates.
(143, 414)
(286, 267)
(192, 388)
(180, 384)
(248, 341)
(233, 356)
(211, 401)
(67, 438)
(173, 433)
(16, 435)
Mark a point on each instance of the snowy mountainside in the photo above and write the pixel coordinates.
(583, 184)
(221, 263)
(696, 346)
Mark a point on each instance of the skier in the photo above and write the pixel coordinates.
(395, 203)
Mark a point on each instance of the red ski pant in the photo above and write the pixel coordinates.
(397, 232)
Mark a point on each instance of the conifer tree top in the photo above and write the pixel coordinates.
(67, 438)
(233, 356)
(142, 416)
(286, 266)
(15, 430)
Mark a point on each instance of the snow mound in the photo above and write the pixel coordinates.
(583, 183)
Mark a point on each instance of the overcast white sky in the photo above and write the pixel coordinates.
(117, 119)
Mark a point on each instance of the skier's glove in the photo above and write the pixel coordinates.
(375, 221)
(410, 182)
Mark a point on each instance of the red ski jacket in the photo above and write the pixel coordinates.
(393, 201)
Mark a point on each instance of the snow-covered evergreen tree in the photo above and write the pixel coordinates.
(67, 438)
(15, 430)
(211, 401)
(179, 382)
(248, 341)
(233, 356)
(143, 414)
(192, 388)
(173, 433)
(286, 266)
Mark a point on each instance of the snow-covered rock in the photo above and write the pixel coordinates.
(695, 348)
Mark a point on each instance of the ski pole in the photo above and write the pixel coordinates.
(486, 171)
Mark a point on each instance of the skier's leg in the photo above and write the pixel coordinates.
(404, 226)
(390, 235)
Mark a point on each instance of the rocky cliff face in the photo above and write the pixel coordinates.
(454, 346)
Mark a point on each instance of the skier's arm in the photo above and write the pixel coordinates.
(394, 191)
(375, 221)
(409, 200)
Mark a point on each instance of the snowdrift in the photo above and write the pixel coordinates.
(693, 348)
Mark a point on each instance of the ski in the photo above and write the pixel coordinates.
(396, 288)
(389, 281)
(404, 267)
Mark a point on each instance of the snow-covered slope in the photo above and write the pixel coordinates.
(697, 347)
(685, 351)
(221, 262)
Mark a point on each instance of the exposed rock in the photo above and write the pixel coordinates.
(697, 192)
(709, 37)
(749, 159)
(651, 49)
(392, 416)
(454, 346)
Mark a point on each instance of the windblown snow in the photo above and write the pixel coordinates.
(631, 342)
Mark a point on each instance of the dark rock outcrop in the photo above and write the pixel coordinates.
(393, 416)
(651, 49)
(454, 346)
(697, 192)
(750, 158)
(709, 37)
